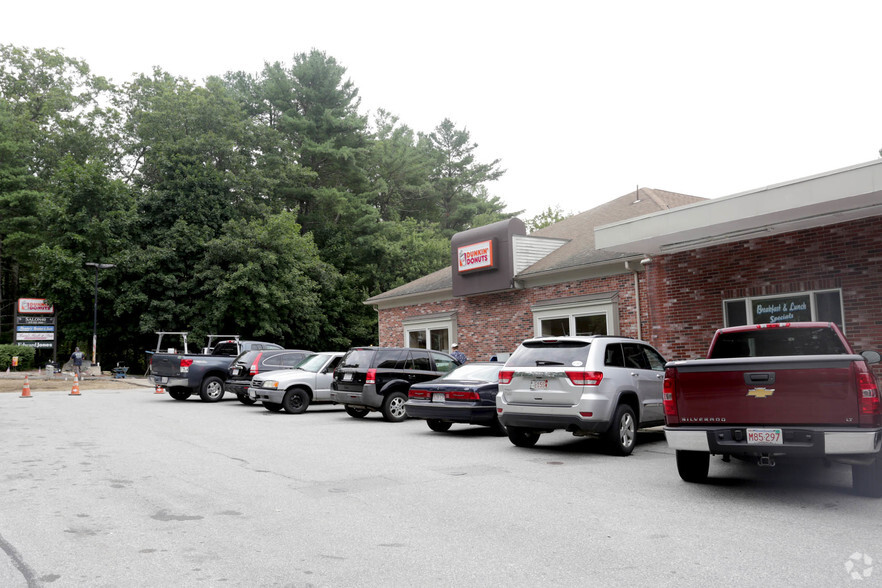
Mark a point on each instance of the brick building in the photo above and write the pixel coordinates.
(808, 249)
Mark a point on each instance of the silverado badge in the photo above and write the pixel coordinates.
(760, 392)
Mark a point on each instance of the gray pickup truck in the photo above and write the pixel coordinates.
(184, 374)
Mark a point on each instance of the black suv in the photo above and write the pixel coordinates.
(250, 363)
(378, 378)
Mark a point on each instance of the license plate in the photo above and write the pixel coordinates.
(764, 437)
(163, 380)
(235, 371)
(347, 377)
(252, 394)
(437, 396)
(538, 384)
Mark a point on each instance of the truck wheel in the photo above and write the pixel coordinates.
(438, 426)
(693, 465)
(393, 407)
(212, 389)
(356, 412)
(622, 434)
(295, 401)
(245, 399)
(272, 406)
(522, 437)
(179, 393)
(866, 480)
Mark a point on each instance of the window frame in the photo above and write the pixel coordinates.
(571, 310)
(427, 324)
(748, 305)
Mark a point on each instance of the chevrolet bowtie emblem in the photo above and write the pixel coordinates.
(760, 392)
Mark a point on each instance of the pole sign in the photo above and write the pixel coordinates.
(34, 306)
(35, 324)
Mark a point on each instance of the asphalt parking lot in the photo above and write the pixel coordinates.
(129, 488)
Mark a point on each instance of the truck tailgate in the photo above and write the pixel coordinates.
(164, 364)
(768, 391)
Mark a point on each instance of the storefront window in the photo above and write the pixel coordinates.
(823, 305)
(574, 325)
(429, 333)
(576, 316)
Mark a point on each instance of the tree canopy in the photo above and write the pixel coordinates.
(266, 204)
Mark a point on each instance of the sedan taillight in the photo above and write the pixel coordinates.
(462, 395)
(417, 393)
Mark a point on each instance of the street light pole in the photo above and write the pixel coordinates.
(97, 266)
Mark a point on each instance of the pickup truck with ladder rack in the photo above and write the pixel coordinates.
(184, 374)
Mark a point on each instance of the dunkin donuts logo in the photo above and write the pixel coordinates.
(475, 256)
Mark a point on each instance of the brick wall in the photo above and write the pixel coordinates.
(498, 322)
(686, 290)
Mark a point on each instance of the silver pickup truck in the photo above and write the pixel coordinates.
(294, 390)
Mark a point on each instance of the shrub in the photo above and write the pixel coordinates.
(25, 356)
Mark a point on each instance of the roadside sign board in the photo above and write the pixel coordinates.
(35, 324)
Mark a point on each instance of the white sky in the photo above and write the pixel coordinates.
(582, 101)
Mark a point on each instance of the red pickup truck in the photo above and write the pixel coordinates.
(764, 391)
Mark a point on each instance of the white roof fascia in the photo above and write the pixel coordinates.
(841, 195)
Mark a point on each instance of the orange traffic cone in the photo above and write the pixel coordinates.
(26, 389)
(159, 390)
(75, 391)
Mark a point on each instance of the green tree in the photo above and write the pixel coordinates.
(398, 171)
(265, 278)
(460, 180)
(53, 114)
(547, 217)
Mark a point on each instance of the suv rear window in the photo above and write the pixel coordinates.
(358, 358)
(246, 358)
(552, 353)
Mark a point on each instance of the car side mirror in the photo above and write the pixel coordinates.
(871, 356)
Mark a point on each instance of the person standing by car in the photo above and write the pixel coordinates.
(77, 358)
(457, 354)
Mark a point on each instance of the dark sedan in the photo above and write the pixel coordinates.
(466, 395)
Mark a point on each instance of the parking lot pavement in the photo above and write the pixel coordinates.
(128, 488)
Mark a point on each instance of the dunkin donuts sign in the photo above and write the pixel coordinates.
(34, 306)
(475, 256)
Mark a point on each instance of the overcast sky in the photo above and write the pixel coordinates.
(582, 101)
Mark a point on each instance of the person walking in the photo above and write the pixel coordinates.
(457, 354)
(77, 358)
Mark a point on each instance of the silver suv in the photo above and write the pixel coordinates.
(598, 385)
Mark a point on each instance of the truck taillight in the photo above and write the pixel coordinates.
(371, 377)
(585, 378)
(185, 365)
(669, 395)
(505, 376)
(254, 369)
(869, 393)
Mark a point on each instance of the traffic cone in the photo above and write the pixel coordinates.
(75, 391)
(159, 390)
(26, 389)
